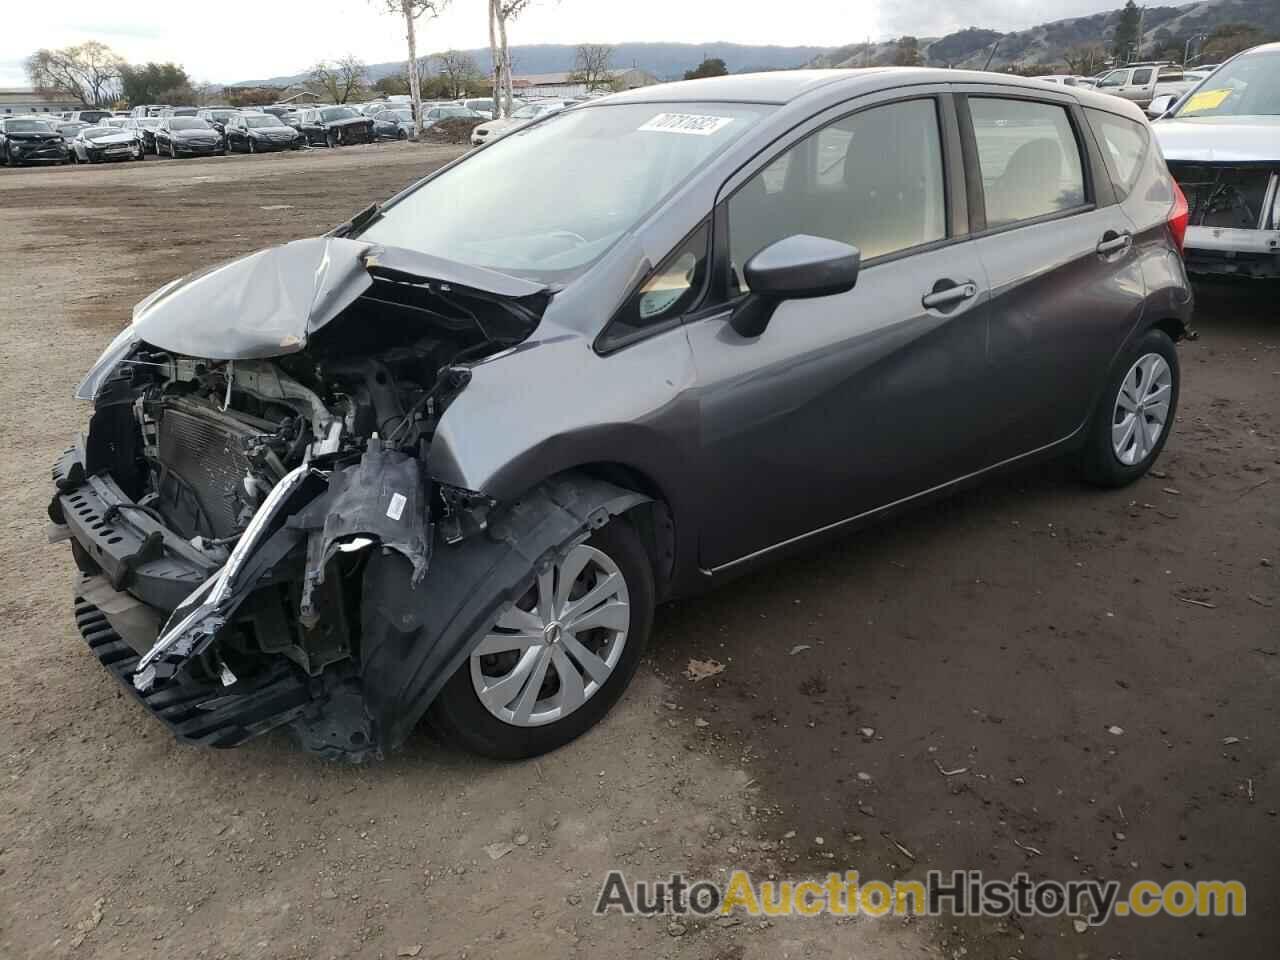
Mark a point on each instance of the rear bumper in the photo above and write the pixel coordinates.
(1233, 252)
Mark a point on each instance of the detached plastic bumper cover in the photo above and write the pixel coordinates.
(201, 711)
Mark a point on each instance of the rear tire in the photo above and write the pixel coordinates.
(1135, 413)
(460, 716)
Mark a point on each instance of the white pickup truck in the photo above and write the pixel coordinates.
(1143, 82)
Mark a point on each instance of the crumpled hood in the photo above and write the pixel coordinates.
(111, 140)
(268, 303)
(1220, 139)
(261, 305)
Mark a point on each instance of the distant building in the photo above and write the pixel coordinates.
(17, 101)
(563, 84)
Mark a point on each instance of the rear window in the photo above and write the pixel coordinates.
(1124, 147)
(1029, 158)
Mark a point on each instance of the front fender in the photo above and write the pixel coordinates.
(414, 638)
(554, 404)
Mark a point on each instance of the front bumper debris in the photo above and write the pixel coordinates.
(203, 712)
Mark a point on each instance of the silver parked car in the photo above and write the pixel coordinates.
(445, 459)
(1222, 143)
(521, 117)
(98, 144)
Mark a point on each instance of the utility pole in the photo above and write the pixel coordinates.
(1142, 13)
(992, 55)
(1186, 48)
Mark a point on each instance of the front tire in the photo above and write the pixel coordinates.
(332, 138)
(578, 633)
(1135, 414)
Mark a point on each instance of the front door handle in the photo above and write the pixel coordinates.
(943, 296)
(1113, 242)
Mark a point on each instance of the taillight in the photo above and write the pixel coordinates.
(1178, 217)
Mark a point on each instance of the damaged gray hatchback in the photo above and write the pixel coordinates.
(442, 462)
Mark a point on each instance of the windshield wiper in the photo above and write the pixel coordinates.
(370, 214)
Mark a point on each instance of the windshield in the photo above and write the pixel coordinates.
(338, 113)
(149, 122)
(451, 112)
(93, 133)
(400, 115)
(598, 171)
(188, 123)
(531, 111)
(27, 126)
(222, 114)
(263, 121)
(1247, 86)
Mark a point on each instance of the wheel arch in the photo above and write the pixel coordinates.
(653, 519)
(413, 638)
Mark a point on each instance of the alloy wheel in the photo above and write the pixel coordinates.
(1141, 410)
(557, 645)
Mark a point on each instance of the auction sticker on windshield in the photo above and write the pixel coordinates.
(700, 125)
(1206, 100)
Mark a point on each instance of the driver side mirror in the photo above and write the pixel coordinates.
(798, 267)
(1161, 105)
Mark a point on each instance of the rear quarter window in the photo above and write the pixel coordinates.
(1029, 159)
(1124, 146)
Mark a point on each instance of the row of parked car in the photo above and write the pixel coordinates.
(1145, 82)
(91, 136)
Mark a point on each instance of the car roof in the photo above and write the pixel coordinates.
(775, 87)
(785, 86)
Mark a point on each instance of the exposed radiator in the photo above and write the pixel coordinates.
(208, 461)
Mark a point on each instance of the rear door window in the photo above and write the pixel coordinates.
(1124, 147)
(1141, 77)
(1029, 159)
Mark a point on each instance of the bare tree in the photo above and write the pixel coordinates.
(340, 79)
(591, 66)
(1083, 59)
(89, 72)
(456, 69)
(501, 12)
(412, 10)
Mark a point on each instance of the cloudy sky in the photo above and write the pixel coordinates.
(249, 39)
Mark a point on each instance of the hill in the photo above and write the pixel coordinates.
(1047, 43)
(664, 60)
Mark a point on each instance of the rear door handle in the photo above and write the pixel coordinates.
(1112, 242)
(948, 295)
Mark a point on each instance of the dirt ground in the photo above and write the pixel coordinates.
(999, 634)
